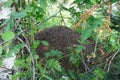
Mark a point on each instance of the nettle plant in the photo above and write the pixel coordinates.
(88, 19)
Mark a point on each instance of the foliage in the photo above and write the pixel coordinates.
(85, 16)
(8, 35)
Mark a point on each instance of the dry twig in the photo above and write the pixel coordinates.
(85, 16)
(112, 60)
(31, 55)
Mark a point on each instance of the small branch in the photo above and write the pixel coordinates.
(112, 60)
(89, 70)
(52, 16)
(105, 66)
(33, 63)
(62, 17)
(38, 23)
(86, 66)
(17, 23)
(96, 45)
(2, 43)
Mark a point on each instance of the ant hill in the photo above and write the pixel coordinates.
(60, 38)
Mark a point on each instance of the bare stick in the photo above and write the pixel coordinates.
(86, 66)
(38, 23)
(33, 63)
(112, 59)
(62, 18)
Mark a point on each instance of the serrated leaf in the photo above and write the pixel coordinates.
(53, 53)
(19, 62)
(74, 59)
(9, 35)
(0, 50)
(79, 48)
(100, 73)
(28, 59)
(36, 57)
(54, 64)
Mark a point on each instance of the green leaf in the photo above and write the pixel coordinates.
(53, 1)
(16, 1)
(45, 43)
(36, 43)
(36, 56)
(10, 25)
(79, 48)
(46, 77)
(21, 14)
(88, 3)
(9, 35)
(19, 62)
(54, 64)
(28, 59)
(75, 59)
(16, 49)
(8, 3)
(0, 50)
(86, 33)
(53, 53)
(72, 9)
(93, 1)
(100, 73)
(113, 1)
(43, 4)
(77, 1)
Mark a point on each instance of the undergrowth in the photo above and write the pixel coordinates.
(33, 16)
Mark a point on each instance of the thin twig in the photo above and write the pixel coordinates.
(112, 59)
(62, 17)
(32, 59)
(105, 66)
(2, 43)
(96, 45)
(17, 23)
(38, 23)
(86, 66)
(89, 70)
(52, 16)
